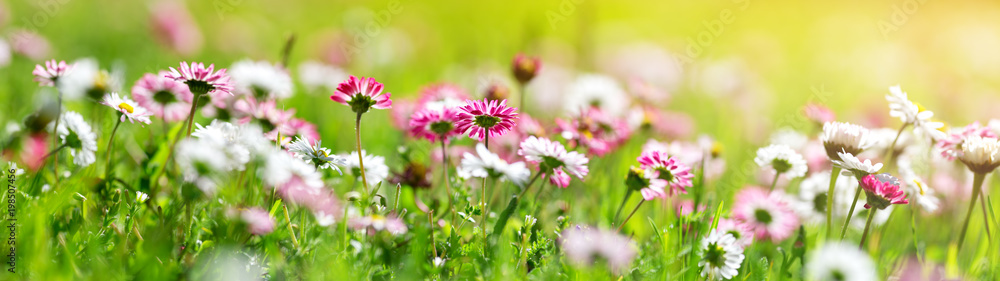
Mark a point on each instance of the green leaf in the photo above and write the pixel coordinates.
(504, 216)
(718, 214)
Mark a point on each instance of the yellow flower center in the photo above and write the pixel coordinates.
(920, 186)
(126, 107)
(920, 107)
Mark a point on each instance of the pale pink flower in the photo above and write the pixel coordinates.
(742, 233)
(767, 214)
(302, 128)
(951, 145)
(401, 112)
(376, 223)
(594, 130)
(272, 120)
(29, 44)
(479, 118)
(584, 246)
(258, 221)
(47, 75)
(664, 172)
(442, 95)
(202, 80)
(174, 27)
(362, 94)
(434, 124)
(553, 160)
(129, 109)
(164, 97)
(819, 113)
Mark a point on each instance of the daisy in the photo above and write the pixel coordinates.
(553, 159)
(782, 160)
(375, 223)
(435, 124)
(525, 68)
(663, 171)
(813, 200)
(272, 120)
(819, 113)
(980, 154)
(174, 27)
(362, 94)
(742, 233)
(200, 161)
(295, 181)
(260, 79)
(483, 119)
(442, 95)
(854, 166)
(951, 146)
(882, 190)
(915, 187)
(239, 143)
(86, 79)
(316, 154)
(584, 246)
(844, 137)
(721, 256)
(912, 114)
(259, 221)
(489, 165)
(595, 130)
(201, 80)
(593, 90)
(51, 72)
(839, 261)
(375, 168)
(766, 214)
(77, 136)
(164, 97)
(129, 109)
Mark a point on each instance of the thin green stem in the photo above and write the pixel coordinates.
(850, 213)
(986, 217)
(444, 166)
(361, 161)
(977, 187)
(775, 181)
(868, 224)
(194, 105)
(288, 221)
(630, 215)
(834, 174)
(628, 194)
(526, 187)
(55, 137)
(111, 140)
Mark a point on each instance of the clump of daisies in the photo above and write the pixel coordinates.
(721, 256)
(781, 159)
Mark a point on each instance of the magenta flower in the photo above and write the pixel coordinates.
(479, 118)
(47, 76)
(362, 94)
(882, 190)
(434, 124)
(164, 97)
(664, 171)
(951, 145)
(768, 215)
(594, 130)
(202, 80)
(525, 68)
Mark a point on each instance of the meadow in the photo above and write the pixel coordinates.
(513, 140)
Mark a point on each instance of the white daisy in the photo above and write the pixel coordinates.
(596, 90)
(200, 161)
(981, 155)
(855, 167)
(240, 142)
(261, 79)
(911, 113)
(915, 187)
(280, 168)
(553, 159)
(789, 137)
(375, 169)
(782, 159)
(316, 154)
(812, 198)
(315, 75)
(77, 136)
(87, 79)
(489, 165)
(721, 256)
(128, 107)
(841, 136)
(840, 261)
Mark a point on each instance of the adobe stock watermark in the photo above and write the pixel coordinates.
(899, 16)
(566, 9)
(713, 29)
(223, 7)
(363, 36)
(48, 9)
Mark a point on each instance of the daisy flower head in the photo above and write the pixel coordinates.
(951, 146)
(266, 114)
(202, 80)
(442, 95)
(882, 190)
(584, 246)
(486, 164)
(767, 214)
(525, 68)
(553, 160)
(664, 172)
(486, 118)
(981, 155)
(819, 113)
(200, 161)
(721, 256)
(129, 108)
(812, 197)
(844, 137)
(434, 124)
(239, 143)
(87, 79)
(78, 137)
(375, 169)
(855, 167)
(295, 180)
(742, 233)
(164, 97)
(375, 223)
(782, 159)
(840, 261)
(362, 94)
(594, 90)
(911, 113)
(51, 72)
(259, 221)
(316, 154)
(314, 74)
(260, 79)
(595, 130)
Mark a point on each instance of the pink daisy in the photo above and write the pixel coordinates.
(202, 80)
(129, 109)
(553, 159)
(766, 214)
(362, 94)
(479, 118)
(594, 130)
(259, 221)
(434, 124)
(29, 44)
(882, 190)
(272, 120)
(164, 97)
(819, 113)
(742, 233)
(174, 27)
(302, 128)
(664, 171)
(391, 224)
(47, 76)
(442, 95)
(951, 146)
